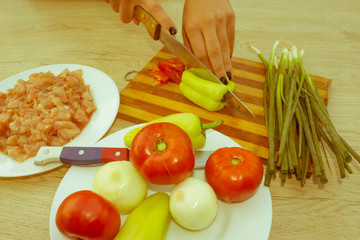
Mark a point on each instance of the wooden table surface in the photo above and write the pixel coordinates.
(34, 33)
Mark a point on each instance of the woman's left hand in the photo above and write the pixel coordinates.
(209, 32)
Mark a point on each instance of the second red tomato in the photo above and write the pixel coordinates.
(234, 173)
(163, 153)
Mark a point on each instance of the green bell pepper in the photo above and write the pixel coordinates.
(189, 122)
(149, 220)
(204, 93)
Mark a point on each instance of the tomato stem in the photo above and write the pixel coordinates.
(235, 161)
(160, 145)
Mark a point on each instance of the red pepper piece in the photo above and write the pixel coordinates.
(170, 69)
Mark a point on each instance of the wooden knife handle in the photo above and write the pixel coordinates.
(150, 23)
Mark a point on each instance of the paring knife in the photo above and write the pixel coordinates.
(96, 155)
(177, 48)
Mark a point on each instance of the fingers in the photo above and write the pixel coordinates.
(136, 21)
(230, 28)
(226, 37)
(226, 46)
(211, 35)
(156, 10)
(195, 42)
(225, 51)
(186, 39)
(214, 51)
(126, 10)
(230, 31)
(211, 47)
(114, 5)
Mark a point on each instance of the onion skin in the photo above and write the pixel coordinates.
(193, 204)
(121, 184)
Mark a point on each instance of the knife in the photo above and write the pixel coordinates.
(177, 48)
(96, 155)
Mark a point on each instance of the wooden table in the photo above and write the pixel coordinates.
(36, 32)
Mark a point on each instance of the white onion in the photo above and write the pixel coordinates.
(121, 184)
(193, 204)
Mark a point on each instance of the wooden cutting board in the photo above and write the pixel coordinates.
(141, 102)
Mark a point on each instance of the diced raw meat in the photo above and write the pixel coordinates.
(44, 110)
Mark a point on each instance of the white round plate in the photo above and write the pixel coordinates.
(250, 220)
(107, 100)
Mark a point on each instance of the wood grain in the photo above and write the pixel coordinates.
(143, 102)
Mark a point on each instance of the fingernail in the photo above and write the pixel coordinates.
(172, 30)
(229, 75)
(224, 80)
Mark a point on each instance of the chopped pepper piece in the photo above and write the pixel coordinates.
(170, 69)
(173, 68)
(159, 77)
(204, 93)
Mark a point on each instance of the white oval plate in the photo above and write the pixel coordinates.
(107, 100)
(250, 220)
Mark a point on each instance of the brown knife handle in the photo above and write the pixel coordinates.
(150, 23)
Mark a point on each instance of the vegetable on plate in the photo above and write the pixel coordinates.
(87, 215)
(121, 184)
(189, 122)
(204, 93)
(150, 220)
(234, 173)
(193, 204)
(162, 153)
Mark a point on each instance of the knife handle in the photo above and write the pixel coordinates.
(151, 24)
(92, 155)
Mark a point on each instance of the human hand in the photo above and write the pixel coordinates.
(125, 8)
(209, 32)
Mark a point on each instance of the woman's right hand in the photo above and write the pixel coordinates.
(125, 8)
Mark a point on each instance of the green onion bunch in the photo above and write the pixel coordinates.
(297, 121)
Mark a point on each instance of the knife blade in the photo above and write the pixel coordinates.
(178, 49)
(96, 155)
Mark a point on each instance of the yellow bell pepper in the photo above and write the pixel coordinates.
(149, 220)
(188, 122)
(204, 93)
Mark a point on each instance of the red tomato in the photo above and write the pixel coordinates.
(162, 153)
(234, 173)
(87, 215)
